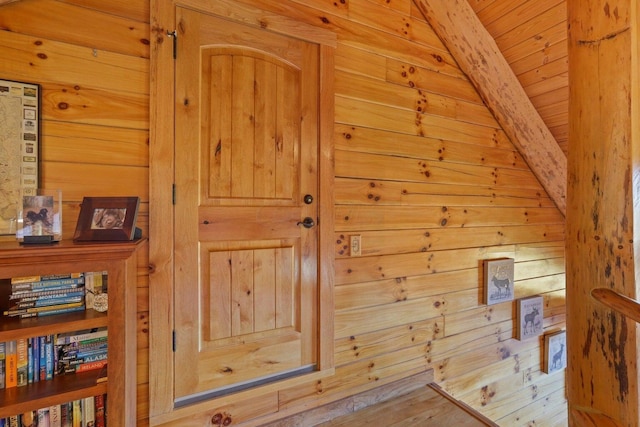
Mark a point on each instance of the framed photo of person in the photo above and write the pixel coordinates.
(107, 218)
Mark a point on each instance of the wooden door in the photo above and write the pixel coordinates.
(246, 179)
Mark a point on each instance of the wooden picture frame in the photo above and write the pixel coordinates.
(20, 136)
(555, 352)
(529, 316)
(498, 280)
(107, 218)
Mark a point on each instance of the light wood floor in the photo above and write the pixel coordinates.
(424, 407)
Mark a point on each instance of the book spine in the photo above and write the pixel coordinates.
(45, 284)
(47, 294)
(55, 419)
(52, 312)
(90, 366)
(27, 279)
(42, 364)
(3, 366)
(100, 410)
(48, 348)
(76, 416)
(30, 359)
(81, 336)
(20, 311)
(88, 411)
(11, 364)
(22, 361)
(48, 302)
(43, 418)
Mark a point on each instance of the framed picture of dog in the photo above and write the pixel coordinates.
(555, 352)
(107, 218)
(529, 316)
(40, 217)
(498, 280)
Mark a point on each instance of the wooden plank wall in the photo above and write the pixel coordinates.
(423, 174)
(91, 59)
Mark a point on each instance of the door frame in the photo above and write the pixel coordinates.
(161, 173)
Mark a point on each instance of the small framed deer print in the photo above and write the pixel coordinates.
(529, 316)
(498, 280)
(555, 352)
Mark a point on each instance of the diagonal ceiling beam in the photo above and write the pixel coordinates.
(2, 2)
(477, 54)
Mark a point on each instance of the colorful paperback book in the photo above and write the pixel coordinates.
(11, 376)
(100, 410)
(32, 310)
(22, 361)
(88, 412)
(30, 359)
(47, 302)
(2, 364)
(48, 351)
(53, 312)
(46, 284)
(55, 416)
(28, 279)
(47, 294)
(84, 335)
(43, 418)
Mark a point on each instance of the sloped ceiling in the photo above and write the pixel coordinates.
(510, 95)
(532, 36)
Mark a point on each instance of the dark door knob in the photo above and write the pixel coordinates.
(308, 199)
(307, 222)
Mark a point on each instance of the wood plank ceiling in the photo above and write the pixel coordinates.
(532, 36)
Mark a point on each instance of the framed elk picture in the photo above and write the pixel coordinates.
(555, 352)
(529, 316)
(498, 280)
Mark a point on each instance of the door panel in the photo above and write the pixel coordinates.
(246, 155)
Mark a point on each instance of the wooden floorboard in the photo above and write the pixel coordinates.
(425, 407)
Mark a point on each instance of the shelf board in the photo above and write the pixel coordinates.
(13, 328)
(60, 389)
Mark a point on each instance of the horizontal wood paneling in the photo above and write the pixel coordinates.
(91, 60)
(424, 175)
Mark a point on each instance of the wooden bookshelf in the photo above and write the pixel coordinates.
(119, 259)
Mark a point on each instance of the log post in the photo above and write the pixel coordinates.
(602, 205)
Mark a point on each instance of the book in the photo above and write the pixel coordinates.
(31, 310)
(55, 416)
(2, 364)
(48, 359)
(46, 284)
(22, 361)
(88, 412)
(28, 279)
(84, 335)
(76, 413)
(47, 294)
(102, 375)
(43, 418)
(53, 312)
(11, 375)
(30, 358)
(90, 366)
(46, 302)
(100, 413)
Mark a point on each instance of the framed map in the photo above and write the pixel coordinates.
(19, 148)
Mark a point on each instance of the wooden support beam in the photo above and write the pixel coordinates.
(478, 56)
(602, 207)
